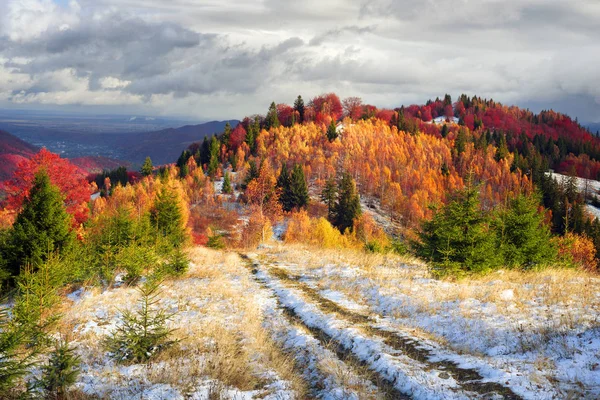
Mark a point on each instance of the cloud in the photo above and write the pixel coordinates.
(228, 58)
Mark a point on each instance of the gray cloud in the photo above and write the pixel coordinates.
(228, 58)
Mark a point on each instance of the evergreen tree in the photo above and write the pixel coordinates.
(523, 238)
(182, 163)
(332, 131)
(166, 216)
(41, 228)
(143, 333)
(444, 132)
(461, 141)
(227, 189)
(147, 167)
(347, 206)
(213, 164)
(501, 149)
(328, 196)
(457, 239)
(298, 188)
(226, 134)
(283, 183)
(252, 174)
(272, 120)
(60, 372)
(299, 106)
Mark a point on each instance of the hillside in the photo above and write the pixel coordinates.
(12, 151)
(165, 145)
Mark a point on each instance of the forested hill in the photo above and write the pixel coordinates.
(165, 145)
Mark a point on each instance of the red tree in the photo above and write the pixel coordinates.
(66, 176)
(237, 137)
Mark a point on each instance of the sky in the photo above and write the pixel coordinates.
(218, 59)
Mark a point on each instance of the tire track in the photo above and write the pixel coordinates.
(385, 388)
(469, 379)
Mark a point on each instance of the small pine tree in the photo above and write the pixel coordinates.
(61, 371)
(461, 141)
(523, 237)
(328, 196)
(41, 228)
(298, 188)
(177, 263)
(15, 357)
(284, 184)
(167, 217)
(252, 174)
(347, 206)
(147, 167)
(332, 133)
(213, 164)
(444, 132)
(227, 189)
(457, 240)
(144, 333)
(272, 120)
(299, 106)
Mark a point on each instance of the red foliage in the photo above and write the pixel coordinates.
(327, 105)
(237, 137)
(67, 177)
(285, 114)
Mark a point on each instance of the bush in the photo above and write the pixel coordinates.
(15, 357)
(134, 259)
(216, 242)
(60, 372)
(177, 263)
(458, 240)
(142, 334)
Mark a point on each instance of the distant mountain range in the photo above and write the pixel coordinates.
(164, 146)
(12, 151)
(128, 149)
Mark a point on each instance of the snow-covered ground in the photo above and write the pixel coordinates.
(235, 342)
(291, 322)
(538, 334)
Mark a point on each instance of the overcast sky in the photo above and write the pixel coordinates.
(229, 58)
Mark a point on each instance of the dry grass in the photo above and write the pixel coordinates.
(563, 298)
(219, 328)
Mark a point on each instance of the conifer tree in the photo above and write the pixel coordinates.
(284, 184)
(272, 120)
(328, 196)
(299, 106)
(298, 188)
(227, 189)
(347, 206)
(332, 131)
(41, 228)
(166, 216)
(213, 164)
(251, 174)
(457, 239)
(226, 133)
(523, 237)
(461, 141)
(444, 132)
(182, 163)
(147, 167)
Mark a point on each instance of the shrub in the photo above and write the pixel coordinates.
(60, 372)
(15, 357)
(143, 333)
(458, 240)
(215, 242)
(134, 259)
(177, 263)
(577, 250)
